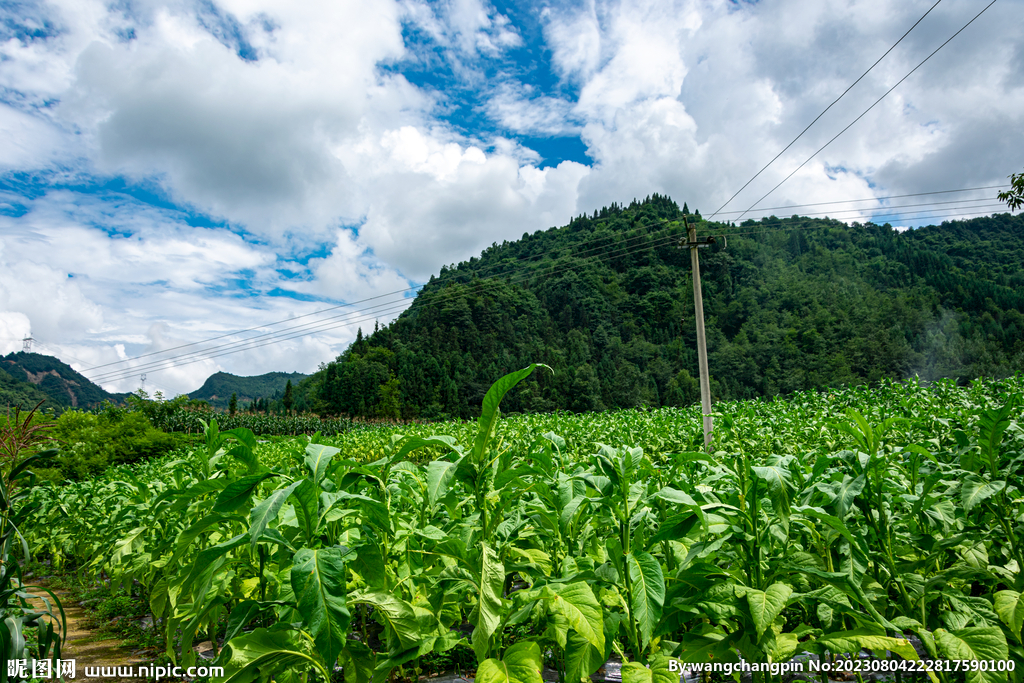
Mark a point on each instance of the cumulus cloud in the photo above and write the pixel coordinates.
(517, 108)
(456, 200)
(692, 99)
(89, 277)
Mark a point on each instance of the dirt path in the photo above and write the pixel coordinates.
(86, 647)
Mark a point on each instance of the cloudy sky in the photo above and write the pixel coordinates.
(176, 171)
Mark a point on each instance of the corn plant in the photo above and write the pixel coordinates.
(19, 443)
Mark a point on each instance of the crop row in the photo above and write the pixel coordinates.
(827, 524)
(191, 421)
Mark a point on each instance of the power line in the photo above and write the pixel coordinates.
(890, 210)
(60, 354)
(252, 329)
(764, 229)
(826, 109)
(436, 298)
(441, 296)
(863, 113)
(314, 325)
(175, 363)
(237, 345)
(317, 323)
(870, 199)
(270, 338)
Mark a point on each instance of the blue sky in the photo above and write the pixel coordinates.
(175, 170)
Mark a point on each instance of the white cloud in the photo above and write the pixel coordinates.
(455, 200)
(516, 108)
(14, 327)
(29, 139)
(147, 280)
(472, 27)
(692, 99)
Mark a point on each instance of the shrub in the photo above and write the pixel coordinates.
(90, 442)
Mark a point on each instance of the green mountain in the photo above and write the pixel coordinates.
(607, 302)
(22, 394)
(219, 386)
(65, 387)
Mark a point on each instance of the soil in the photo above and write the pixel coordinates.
(86, 647)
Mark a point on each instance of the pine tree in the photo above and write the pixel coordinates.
(289, 398)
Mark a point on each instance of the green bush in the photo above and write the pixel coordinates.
(91, 442)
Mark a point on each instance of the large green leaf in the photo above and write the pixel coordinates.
(200, 574)
(858, 639)
(582, 611)
(656, 672)
(375, 512)
(678, 497)
(991, 425)
(581, 658)
(489, 608)
(184, 540)
(318, 459)
(847, 494)
(975, 643)
(647, 588)
(974, 490)
(779, 481)
(676, 527)
(256, 657)
(836, 524)
(439, 477)
(765, 606)
(412, 443)
(241, 615)
(307, 508)
(318, 579)
(1009, 606)
(358, 662)
(521, 664)
(490, 412)
(266, 511)
(238, 492)
(407, 624)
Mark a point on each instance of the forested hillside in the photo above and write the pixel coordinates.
(607, 301)
(24, 395)
(65, 387)
(218, 387)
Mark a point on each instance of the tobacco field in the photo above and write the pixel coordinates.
(825, 523)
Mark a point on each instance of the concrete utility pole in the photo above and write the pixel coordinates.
(698, 310)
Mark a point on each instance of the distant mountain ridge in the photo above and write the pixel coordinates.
(218, 387)
(63, 386)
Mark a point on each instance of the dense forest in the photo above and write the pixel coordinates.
(24, 395)
(220, 386)
(607, 302)
(27, 378)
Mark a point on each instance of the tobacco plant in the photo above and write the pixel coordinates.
(827, 524)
